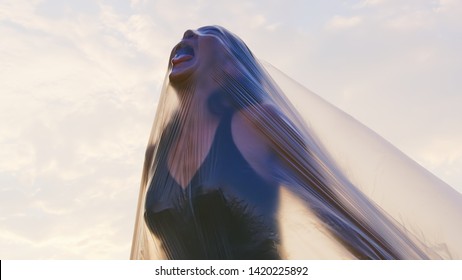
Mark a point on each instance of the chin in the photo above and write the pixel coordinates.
(182, 72)
(179, 77)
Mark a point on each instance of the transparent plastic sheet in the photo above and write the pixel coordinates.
(244, 163)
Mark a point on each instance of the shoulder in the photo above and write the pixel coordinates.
(251, 127)
(245, 129)
(252, 142)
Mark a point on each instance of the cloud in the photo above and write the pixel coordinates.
(80, 82)
(371, 3)
(79, 85)
(77, 106)
(412, 21)
(340, 22)
(449, 6)
(395, 72)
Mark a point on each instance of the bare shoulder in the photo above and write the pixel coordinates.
(247, 135)
(252, 143)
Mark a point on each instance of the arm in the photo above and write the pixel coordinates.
(264, 132)
(311, 178)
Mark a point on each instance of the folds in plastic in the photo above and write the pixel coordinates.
(244, 163)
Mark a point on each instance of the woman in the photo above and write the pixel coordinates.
(225, 145)
(206, 200)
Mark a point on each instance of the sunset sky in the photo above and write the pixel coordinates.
(80, 80)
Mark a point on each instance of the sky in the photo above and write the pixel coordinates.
(80, 80)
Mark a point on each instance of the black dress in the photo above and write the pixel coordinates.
(227, 211)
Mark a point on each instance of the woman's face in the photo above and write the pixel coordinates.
(197, 55)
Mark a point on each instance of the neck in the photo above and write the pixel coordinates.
(194, 98)
(197, 126)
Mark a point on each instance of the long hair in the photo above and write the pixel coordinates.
(307, 169)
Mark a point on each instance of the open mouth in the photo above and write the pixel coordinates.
(182, 53)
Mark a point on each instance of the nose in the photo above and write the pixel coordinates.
(189, 34)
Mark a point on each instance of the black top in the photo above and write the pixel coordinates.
(227, 211)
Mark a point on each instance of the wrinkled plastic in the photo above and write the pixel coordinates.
(244, 163)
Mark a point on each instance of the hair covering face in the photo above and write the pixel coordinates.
(321, 185)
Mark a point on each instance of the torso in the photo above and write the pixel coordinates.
(188, 151)
(225, 209)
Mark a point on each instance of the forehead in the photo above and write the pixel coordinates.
(212, 30)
